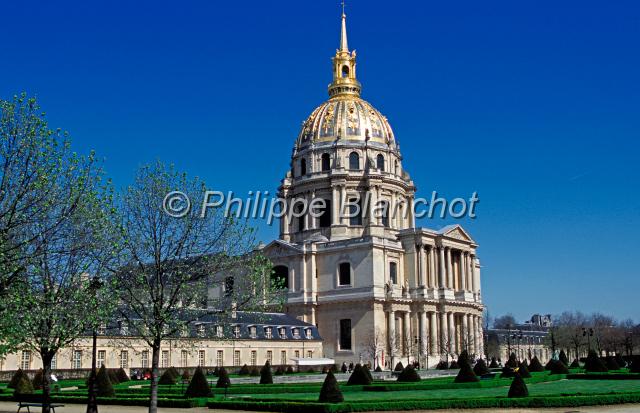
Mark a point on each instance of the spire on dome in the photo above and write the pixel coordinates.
(344, 47)
(344, 66)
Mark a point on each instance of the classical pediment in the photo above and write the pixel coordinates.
(279, 248)
(456, 232)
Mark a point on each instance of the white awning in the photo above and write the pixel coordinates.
(312, 361)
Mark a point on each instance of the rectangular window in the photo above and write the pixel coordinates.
(283, 332)
(344, 274)
(308, 333)
(324, 214)
(236, 358)
(270, 356)
(345, 334)
(184, 358)
(297, 354)
(201, 358)
(145, 359)
(77, 359)
(283, 357)
(54, 362)
(219, 331)
(267, 332)
(220, 358)
(253, 331)
(355, 211)
(393, 272)
(254, 357)
(296, 333)
(309, 354)
(25, 363)
(124, 359)
(101, 360)
(164, 359)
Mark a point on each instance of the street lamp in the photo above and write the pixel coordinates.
(92, 404)
(588, 334)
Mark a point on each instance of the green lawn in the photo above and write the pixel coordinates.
(539, 389)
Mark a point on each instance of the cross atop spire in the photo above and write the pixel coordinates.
(343, 34)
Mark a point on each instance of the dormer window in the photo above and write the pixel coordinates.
(268, 332)
(283, 332)
(102, 329)
(201, 330)
(219, 331)
(253, 333)
(124, 328)
(308, 333)
(236, 331)
(296, 332)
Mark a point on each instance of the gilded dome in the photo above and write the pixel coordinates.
(349, 118)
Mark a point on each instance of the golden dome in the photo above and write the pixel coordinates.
(348, 118)
(345, 115)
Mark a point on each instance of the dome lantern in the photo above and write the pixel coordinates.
(344, 68)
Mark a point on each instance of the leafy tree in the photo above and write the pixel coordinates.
(23, 387)
(175, 255)
(223, 379)
(104, 387)
(199, 387)
(330, 391)
(265, 374)
(518, 388)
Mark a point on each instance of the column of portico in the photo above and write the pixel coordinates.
(464, 334)
(433, 333)
(450, 284)
(463, 272)
(419, 264)
(391, 337)
(444, 332)
(424, 337)
(335, 205)
(453, 345)
(432, 267)
(406, 336)
(442, 275)
(472, 333)
(424, 265)
(479, 334)
(312, 220)
(373, 199)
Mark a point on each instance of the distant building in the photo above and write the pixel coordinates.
(526, 339)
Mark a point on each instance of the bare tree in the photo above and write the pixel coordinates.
(173, 259)
(374, 344)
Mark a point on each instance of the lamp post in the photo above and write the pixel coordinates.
(518, 336)
(92, 403)
(588, 334)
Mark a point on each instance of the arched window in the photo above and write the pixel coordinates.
(396, 168)
(344, 274)
(280, 277)
(325, 160)
(324, 214)
(354, 160)
(299, 216)
(355, 211)
(345, 71)
(393, 272)
(383, 213)
(303, 166)
(380, 162)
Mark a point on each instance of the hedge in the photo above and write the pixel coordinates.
(486, 403)
(604, 376)
(122, 401)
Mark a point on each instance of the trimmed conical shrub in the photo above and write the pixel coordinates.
(330, 392)
(493, 364)
(368, 372)
(523, 370)
(174, 373)
(104, 388)
(186, 376)
(399, 367)
(563, 358)
(575, 364)
(535, 365)
(265, 374)
(558, 367)
(635, 365)
(244, 370)
(378, 369)
(512, 362)
(198, 387)
(289, 370)
(38, 379)
(549, 364)
(15, 379)
(593, 363)
(463, 358)
(409, 375)
(359, 376)
(223, 378)
(442, 365)
(507, 372)
(167, 378)
(279, 371)
(612, 364)
(23, 387)
(480, 368)
(454, 365)
(113, 377)
(254, 372)
(122, 375)
(620, 361)
(518, 388)
(466, 374)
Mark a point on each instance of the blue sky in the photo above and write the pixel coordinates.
(535, 105)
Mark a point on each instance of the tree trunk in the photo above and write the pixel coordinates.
(46, 356)
(155, 359)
